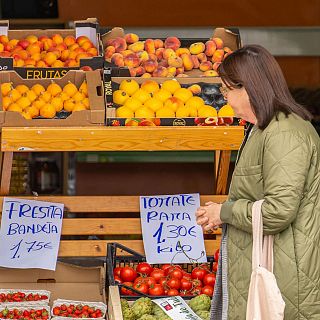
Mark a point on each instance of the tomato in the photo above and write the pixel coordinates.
(144, 268)
(209, 279)
(196, 291)
(176, 273)
(126, 291)
(141, 287)
(147, 280)
(172, 268)
(187, 276)
(128, 274)
(208, 290)
(163, 281)
(164, 267)
(173, 292)
(216, 255)
(196, 283)
(116, 271)
(157, 274)
(174, 283)
(156, 290)
(117, 279)
(215, 267)
(199, 273)
(185, 284)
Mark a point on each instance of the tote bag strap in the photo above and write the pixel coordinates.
(262, 247)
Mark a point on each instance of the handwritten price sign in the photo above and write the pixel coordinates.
(170, 232)
(30, 233)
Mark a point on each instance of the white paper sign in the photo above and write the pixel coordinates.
(176, 308)
(30, 233)
(169, 229)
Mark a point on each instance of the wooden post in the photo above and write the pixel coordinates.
(6, 168)
(222, 163)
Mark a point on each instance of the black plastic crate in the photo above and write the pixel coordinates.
(114, 260)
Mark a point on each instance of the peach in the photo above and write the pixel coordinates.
(227, 50)
(137, 46)
(211, 73)
(41, 38)
(73, 47)
(65, 55)
(218, 55)
(181, 51)
(143, 56)
(4, 39)
(61, 47)
(163, 63)
(71, 63)
(139, 71)
(159, 53)
(160, 72)
(180, 70)
(36, 56)
(168, 52)
(202, 57)
(87, 45)
(23, 43)
(131, 38)
(5, 54)
(82, 55)
(50, 58)
(117, 59)
(82, 39)
(132, 60)
(58, 64)
(126, 52)
(187, 62)
(205, 66)
(31, 38)
(93, 51)
(33, 48)
(57, 39)
(195, 89)
(29, 62)
(13, 42)
(16, 56)
(19, 63)
(119, 44)
(172, 71)
(172, 43)
(158, 43)
(215, 66)
(47, 44)
(56, 52)
(197, 48)
(150, 65)
(210, 48)
(24, 54)
(149, 46)
(110, 50)
(132, 72)
(219, 43)
(146, 75)
(153, 57)
(175, 62)
(8, 47)
(14, 50)
(195, 61)
(69, 40)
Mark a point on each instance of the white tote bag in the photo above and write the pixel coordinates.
(264, 300)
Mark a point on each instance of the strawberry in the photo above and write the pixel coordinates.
(56, 311)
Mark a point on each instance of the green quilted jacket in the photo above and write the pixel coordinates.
(280, 164)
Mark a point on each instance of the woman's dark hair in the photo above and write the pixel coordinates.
(255, 69)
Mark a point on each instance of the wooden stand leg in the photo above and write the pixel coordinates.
(221, 168)
(6, 167)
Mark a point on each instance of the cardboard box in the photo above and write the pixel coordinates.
(112, 83)
(230, 37)
(67, 282)
(94, 116)
(82, 28)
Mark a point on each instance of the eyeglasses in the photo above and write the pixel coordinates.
(224, 89)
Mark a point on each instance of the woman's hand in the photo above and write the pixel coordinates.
(208, 216)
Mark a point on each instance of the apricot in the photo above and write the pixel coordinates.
(180, 71)
(18, 63)
(4, 39)
(150, 86)
(132, 60)
(174, 103)
(131, 38)
(64, 55)
(93, 51)
(211, 47)
(110, 50)
(50, 58)
(187, 62)
(195, 61)
(175, 62)
(219, 43)
(69, 40)
(205, 66)
(168, 52)
(70, 63)
(47, 44)
(58, 64)
(73, 47)
(82, 39)
(195, 89)
(61, 47)
(181, 51)
(218, 55)
(158, 43)
(139, 71)
(23, 43)
(210, 73)
(197, 48)
(160, 72)
(150, 65)
(202, 57)
(30, 63)
(117, 59)
(172, 43)
(137, 46)
(33, 48)
(215, 66)
(87, 45)
(149, 46)
(159, 53)
(41, 64)
(57, 39)
(183, 94)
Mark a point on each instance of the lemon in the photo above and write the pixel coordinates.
(38, 89)
(171, 85)
(144, 112)
(48, 111)
(183, 94)
(142, 95)
(207, 111)
(124, 112)
(54, 88)
(226, 111)
(183, 112)
(150, 86)
(195, 102)
(165, 112)
(162, 95)
(120, 97)
(153, 104)
(133, 104)
(174, 103)
(130, 86)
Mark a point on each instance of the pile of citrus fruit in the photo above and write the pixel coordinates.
(44, 102)
(168, 100)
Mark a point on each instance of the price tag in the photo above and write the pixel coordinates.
(169, 229)
(30, 233)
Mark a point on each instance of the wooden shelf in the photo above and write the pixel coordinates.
(120, 138)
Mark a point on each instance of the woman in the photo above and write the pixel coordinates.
(280, 163)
